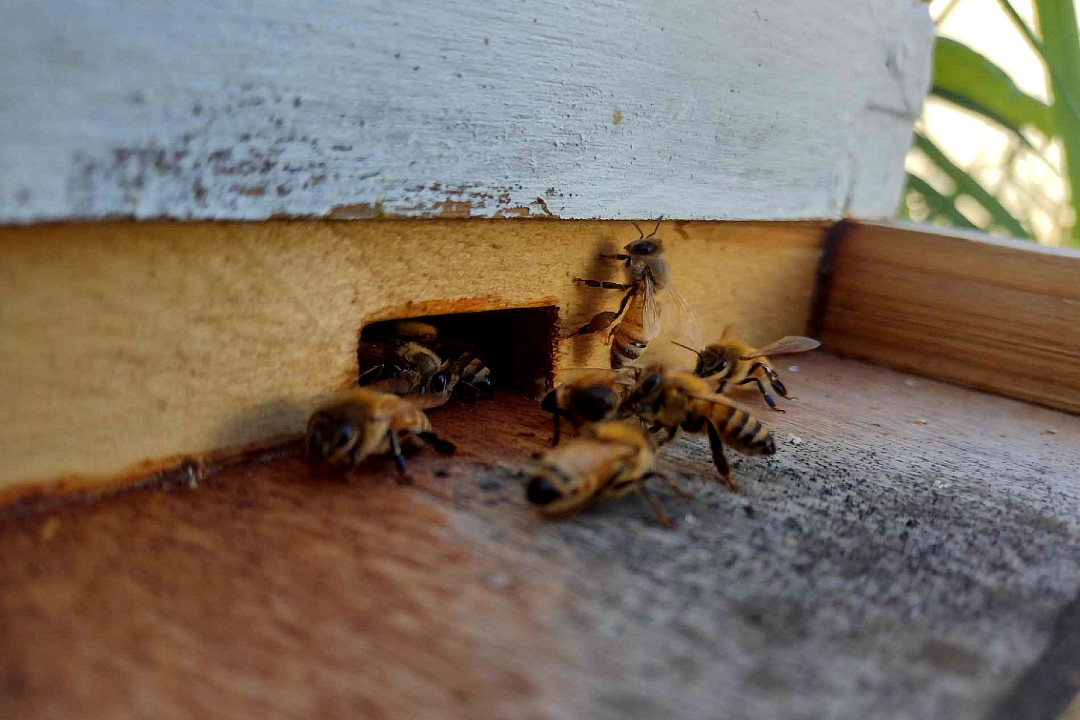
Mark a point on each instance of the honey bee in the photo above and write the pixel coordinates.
(610, 459)
(468, 371)
(639, 313)
(590, 395)
(403, 368)
(410, 359)
(734, 363)
(364, 422)
(671, 399)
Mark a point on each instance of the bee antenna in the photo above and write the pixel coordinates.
(637, 227)
(687, 347)
(660, 220)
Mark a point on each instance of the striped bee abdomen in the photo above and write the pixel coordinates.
(744, 432)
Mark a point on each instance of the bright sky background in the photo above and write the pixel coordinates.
(1033, 192)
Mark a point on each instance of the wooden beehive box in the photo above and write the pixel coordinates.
(154, 290)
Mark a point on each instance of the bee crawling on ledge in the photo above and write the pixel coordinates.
(649, 291)
(363, 422)
(589, 395)
(610, 459)
(733, 362)
(673, 400)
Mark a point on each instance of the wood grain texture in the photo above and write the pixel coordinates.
(994, 314)
(889, 569)
(364, 108)
(126, 343)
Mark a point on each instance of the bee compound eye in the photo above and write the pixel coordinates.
(541, 492)
(344, 432)
(651, 383)
(438, 383)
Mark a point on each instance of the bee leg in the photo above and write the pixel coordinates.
(773, 378)
(767, 396)
(657, 508)
(443, 447)
(671, 432)
(721, 387)
(395, 447)
(600, 322)
(717, 447)
(603, 284)
(672, 485)
(370, 375)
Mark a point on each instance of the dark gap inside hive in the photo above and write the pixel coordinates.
(518, 344)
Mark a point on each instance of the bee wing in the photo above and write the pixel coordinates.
(785, 346)
(374, 352)
(685, 321)
(723, 400)
(377, 352)
(650, 309)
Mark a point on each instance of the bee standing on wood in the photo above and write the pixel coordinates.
(610, 459)
(363, 422)
(733, 362)
(639, 314)
(671, 400)
(589, 395)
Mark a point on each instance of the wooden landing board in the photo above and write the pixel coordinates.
(129, 347)
(993, 314)
(911, 549)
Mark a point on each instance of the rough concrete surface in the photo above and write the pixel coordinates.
(911, 551)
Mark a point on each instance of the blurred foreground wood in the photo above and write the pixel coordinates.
(910, 552)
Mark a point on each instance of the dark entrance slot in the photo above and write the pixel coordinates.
(518, 344)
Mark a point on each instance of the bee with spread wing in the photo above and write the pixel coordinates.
(732, 362)
(649, 292)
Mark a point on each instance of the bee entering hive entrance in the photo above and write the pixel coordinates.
(515, 346)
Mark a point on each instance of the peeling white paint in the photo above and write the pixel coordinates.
(202, 109)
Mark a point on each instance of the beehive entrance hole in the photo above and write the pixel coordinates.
(518, 344)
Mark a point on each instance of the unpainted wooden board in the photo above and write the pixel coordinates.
(363, 108)
(994, 314)
(133, 342)
(910, 550)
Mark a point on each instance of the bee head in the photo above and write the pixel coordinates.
(644, 247)
(326, 435)
(555, 492)
(712, 362)
(541, 491)
(438, 383)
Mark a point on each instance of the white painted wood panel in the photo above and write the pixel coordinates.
(687, 108)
